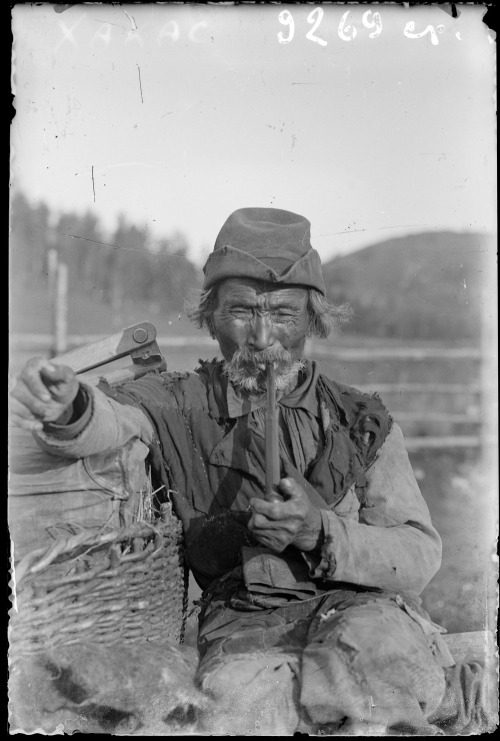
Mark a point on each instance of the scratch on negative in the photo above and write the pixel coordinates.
(93, 183)
(128, 249)
(131, 19)
(140, 83)
(319, 669)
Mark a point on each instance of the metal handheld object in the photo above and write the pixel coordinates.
(272, 438)
(138, 342)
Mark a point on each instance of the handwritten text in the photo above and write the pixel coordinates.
(347, 30)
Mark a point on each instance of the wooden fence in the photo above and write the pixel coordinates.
(476, 419)
(462, 404)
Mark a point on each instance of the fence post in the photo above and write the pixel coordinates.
(116, 302)
(52, 271)
(60, 310)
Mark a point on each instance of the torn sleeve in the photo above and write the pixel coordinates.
(391, 544)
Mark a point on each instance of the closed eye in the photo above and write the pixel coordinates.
(241, 312)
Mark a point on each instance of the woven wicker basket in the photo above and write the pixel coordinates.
(112, 587)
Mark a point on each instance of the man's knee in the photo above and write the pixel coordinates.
(254, 694)
(372, 661)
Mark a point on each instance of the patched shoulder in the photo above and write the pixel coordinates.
(188, 388)
(365, 415)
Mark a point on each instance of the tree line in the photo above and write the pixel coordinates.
(426, 286)
(126, 265)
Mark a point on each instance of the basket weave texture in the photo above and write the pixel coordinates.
(117, 586)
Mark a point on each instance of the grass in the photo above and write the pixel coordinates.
(461, 494)
(31, 312)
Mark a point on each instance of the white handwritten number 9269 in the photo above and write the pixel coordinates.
(346, 31)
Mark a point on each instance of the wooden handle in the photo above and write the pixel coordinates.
(272, 438)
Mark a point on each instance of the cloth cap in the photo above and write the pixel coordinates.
(265, 244)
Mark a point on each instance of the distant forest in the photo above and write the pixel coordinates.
(422, 286)
(126, 265)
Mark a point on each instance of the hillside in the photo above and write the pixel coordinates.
(425, 286)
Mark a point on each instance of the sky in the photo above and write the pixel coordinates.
(372, 121)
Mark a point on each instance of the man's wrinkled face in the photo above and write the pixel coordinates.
(255, 323)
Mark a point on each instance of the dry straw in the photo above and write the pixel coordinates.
(116, 586)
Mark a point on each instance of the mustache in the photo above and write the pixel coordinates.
(251, 359)
(244, 372)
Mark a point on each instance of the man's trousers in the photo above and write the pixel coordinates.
(348, 657)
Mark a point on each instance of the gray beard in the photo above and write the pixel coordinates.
(243, 371)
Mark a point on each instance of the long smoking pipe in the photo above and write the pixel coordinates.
(272, 438)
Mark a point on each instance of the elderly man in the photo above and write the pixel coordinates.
(310, 615)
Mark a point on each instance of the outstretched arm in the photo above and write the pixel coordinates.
(69, 417)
